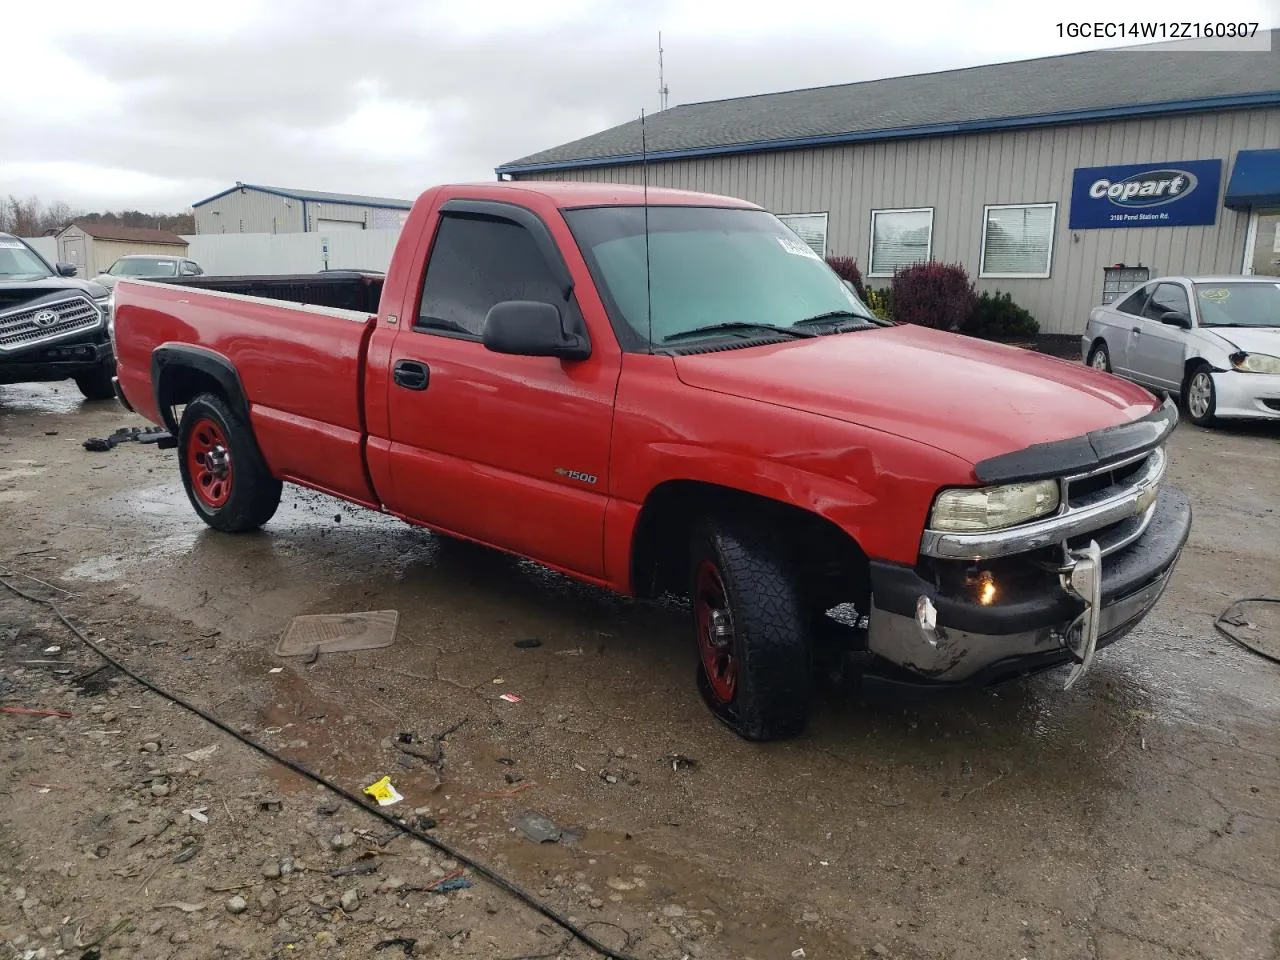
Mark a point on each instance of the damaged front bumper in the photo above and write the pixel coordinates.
(56, 361)
(928, 636)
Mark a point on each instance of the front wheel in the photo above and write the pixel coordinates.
(754, 667)
(226, 479)
(1200, 397)
(96, 385)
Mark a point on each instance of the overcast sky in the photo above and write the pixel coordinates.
(121, 103)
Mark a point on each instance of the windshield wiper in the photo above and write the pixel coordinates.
(735, 326)
(863, 323)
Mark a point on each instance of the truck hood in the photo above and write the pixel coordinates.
(17, 293)
(969, 397)
(1249, 339)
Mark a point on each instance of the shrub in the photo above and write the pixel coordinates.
(846, 268)
(881, 303)
(933, 294)
(999, 318)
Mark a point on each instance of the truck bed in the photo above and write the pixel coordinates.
(344, 289)
(305, 405)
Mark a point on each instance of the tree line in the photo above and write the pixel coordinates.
(32, 218)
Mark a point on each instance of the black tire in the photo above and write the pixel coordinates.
(1199, 396)
(768, 640)
(1100, 357)
(96, 385)
(248, 496)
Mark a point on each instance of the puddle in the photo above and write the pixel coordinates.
(27, 398)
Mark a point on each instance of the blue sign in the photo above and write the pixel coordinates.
(1180, 194)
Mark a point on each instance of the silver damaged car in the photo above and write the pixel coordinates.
(1213, 341)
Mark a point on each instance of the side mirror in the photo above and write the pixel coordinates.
(66, 269)
(1176, 318)
(528, 328)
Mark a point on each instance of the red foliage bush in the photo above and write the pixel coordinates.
(846, 268)
(933, 294)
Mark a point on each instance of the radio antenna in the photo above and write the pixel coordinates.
(648, 269)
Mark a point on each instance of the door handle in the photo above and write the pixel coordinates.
(411, 374)
(1137, 329)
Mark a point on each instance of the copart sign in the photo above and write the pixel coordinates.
(1179, 194)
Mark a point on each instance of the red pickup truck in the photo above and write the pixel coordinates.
(669, 393)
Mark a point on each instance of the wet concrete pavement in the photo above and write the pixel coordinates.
(1137, 816)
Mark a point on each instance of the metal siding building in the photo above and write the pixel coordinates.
(958, 174)
(251, 208)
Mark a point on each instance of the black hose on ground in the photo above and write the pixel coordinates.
(488, 873)
(1229, 616)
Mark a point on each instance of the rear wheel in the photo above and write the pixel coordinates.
(96, 385)
(226, 479)
(753, 648)
(1200, 397)
(1100, 357)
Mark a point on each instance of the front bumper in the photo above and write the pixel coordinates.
(55, 361)
(971, 644)
(1251, 395)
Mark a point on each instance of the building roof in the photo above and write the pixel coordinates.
(1074, 88)
(107, 231)
(352, 199)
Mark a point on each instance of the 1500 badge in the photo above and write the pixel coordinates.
(576, 475)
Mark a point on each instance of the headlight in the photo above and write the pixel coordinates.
(107, 305)
(993, 508)
(1255, 363)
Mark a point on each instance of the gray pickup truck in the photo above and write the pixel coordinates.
(52, 326)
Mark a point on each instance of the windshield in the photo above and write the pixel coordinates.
(17, 262)
(1238, 304)
(707, 266)
(144, 267)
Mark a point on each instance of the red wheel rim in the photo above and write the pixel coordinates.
(714, 624)
(209, 462)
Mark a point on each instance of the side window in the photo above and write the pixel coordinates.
(476, 262)
(189, 269)
(1134, 303)
(1167, 297)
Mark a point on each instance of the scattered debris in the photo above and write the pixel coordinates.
(511, 697)
(237, 905)
(186, 853)
(383, 792)
(198, 814)
(679, 761)
(201, 755)
(157, 435)
(798, 954)
(361, 868)
(270, 805)
(423, 823)
(33, 712)
(536, 827)
(529, 643)
(338, 633)
(343, 841)
(350, 901)
(53, 649)
(405, 943)
(572, 652)
(1267, 647)
(276, 670)
(184, 907)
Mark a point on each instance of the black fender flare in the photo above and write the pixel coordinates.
(170, 360)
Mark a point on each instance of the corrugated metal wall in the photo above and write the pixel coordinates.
(249, 211)
(958, 175)
(252, 211)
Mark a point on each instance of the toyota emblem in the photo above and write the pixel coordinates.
(45, 318)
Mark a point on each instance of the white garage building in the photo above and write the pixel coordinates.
(253, 208)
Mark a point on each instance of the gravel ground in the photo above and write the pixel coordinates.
(1136, 817)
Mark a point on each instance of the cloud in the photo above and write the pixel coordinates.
(142, 105)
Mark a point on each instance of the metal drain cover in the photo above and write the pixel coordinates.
(339, 633)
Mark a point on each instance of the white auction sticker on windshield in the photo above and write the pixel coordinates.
(10, 245)
(797, 247)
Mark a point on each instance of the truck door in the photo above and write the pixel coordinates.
(509, 450)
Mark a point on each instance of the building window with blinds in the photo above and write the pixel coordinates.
(809, 227)
(1017, 240)
(900, 238)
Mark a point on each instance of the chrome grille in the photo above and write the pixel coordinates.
(1114, 481)
(29, 326)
